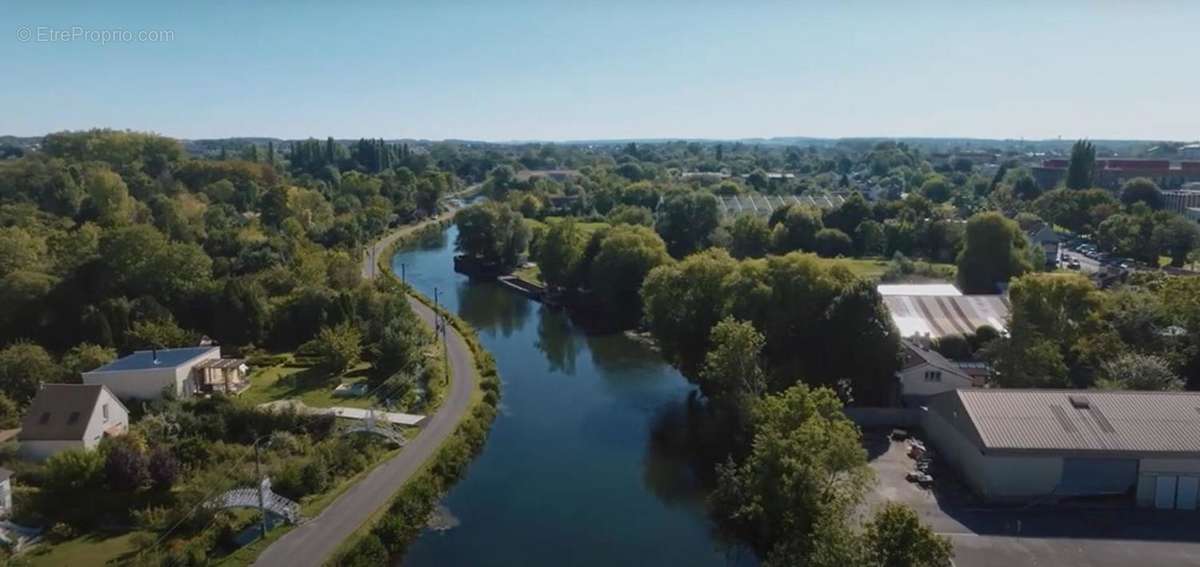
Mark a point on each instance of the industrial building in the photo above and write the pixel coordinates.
(932, 311)
(1038, 445)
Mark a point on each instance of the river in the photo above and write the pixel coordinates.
(569, 475)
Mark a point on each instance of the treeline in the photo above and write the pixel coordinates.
(113, 241)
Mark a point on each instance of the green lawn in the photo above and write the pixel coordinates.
(309, 385)
(532, 273)
(90, 549)
(861, 267)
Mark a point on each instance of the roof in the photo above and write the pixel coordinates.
(933, 358)
(1087, 421)
(146, 359)
(61, 412)
(221, 363)
(927, 314)
(944, 290)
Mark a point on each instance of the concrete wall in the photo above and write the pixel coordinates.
(953, 447)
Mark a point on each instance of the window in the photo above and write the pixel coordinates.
(74, 417)
(45, 418)
(933, 375)
(104, 411)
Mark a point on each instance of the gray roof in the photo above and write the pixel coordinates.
(145, 359)
(919, 354)
(1082, 421)
(60, 412)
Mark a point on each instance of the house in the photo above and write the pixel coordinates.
(1045, 237)
(70, 416)
(925, 372)
(1022, 445)
(146, 374)
(6, 504)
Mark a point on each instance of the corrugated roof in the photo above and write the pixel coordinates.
(145, 359)
(943, 315)
(1085, 420)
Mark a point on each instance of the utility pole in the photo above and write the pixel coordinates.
(262, 504)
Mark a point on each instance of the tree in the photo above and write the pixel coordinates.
(869, 239)
(797, 230)
(895, 537)
(750, 237)
(831, 243)
(23, 368)
(125, 467)
(243, 313)
(625, 256)
(159, 333)
(807, 465)
(1133, 371)
(1082, 165)
(400, 347)
(686, 220)
(560, 252)
(683, 301)
(631, 214)
(85, 357)
(994, 252)
(163, 468)
(1024, 186)
(108, 200)
(1142, 190)
(937, 189)
(338, 348)
(492, 233)
(733, 365)
(1178, 237)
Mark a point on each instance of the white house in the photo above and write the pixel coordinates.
(70, 416)
(1045, 237)
(146, 374)
(925, 372)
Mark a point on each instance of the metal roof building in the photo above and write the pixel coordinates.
(1022, 444)
(939, 310)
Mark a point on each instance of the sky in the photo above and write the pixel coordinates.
(582, 69)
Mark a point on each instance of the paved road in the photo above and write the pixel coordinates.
(370, 267)
(315, 541)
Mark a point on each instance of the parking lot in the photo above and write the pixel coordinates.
(1107, 534)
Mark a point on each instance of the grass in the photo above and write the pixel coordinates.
(89, 549)
(307, 384)
(861, 267)
(530, 273)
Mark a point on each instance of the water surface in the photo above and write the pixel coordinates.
(569, 475)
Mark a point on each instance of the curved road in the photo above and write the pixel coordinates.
(313, 542)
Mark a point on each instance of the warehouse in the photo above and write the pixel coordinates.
(1012, 445)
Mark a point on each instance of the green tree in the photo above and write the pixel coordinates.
(400, 348)
(683, 301)
(625, 256)
(686, 221)
(937, 189)
(1177, 237)
(1133, 371)
(159, 333)
(492, 233)
(750, 237)
(85, 357)
(1024, 186)
(831, 243)
(869, 239)
(108, 200)
(797, 230)
(23, 368)
(338, 348)
(560, 251)
(806, 465)
(631, 214)
(895, 537)
(733, 366)
(1081, 167)
(994, 252)
(1142, 190)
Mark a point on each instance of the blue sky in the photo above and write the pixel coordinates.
(582, 69)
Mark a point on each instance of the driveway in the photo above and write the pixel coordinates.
(313, 542)
(993, 536)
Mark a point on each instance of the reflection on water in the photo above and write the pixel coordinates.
(571, 473)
